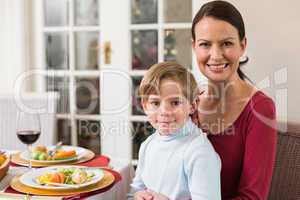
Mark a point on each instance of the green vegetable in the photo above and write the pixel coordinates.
(35, 155)
(42, 156)
(64, 158)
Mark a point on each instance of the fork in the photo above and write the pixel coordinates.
(57, 146)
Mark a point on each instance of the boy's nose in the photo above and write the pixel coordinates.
(165, 109)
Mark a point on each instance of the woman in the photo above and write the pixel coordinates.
(239, 119)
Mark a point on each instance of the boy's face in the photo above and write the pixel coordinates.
(169, 110)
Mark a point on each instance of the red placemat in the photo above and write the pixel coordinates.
(98, 161)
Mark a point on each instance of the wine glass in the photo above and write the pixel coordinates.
(28, 130)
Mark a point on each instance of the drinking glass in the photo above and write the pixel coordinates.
(28, 130)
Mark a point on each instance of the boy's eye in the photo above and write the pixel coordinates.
(175, 103)
(154, 103)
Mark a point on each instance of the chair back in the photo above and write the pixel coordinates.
(286, 176)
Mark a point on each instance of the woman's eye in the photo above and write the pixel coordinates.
(227, 44)
(204, 44)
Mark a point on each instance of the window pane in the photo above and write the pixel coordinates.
(137, 108)
(56, 12)
(88, 133)
(86, 12)
(61, 85)
(177, 11)
(140, 132)
(144, 48)
(143, 11)
(86, 50)
(87, 96)
(56, 50)
(177, 46)
(64, 131)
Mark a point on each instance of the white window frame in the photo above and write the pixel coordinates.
(114, 27)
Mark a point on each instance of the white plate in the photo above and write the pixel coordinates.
(29, 178)
(79, 153)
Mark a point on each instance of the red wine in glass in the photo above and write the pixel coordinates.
(28, 130)
(28, 137)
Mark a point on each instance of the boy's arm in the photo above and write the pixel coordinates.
(202, 167)
(136, 185)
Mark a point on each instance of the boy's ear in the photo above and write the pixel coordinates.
(193, 107)
(143, 102)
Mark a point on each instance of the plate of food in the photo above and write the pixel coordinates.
(62, 177)
(4, 164)
(53, 154)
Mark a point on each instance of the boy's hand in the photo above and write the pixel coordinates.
(157, 196)
(143, 195)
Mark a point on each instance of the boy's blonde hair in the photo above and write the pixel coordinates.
(168, 70)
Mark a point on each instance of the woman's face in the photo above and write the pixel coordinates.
(218, 49)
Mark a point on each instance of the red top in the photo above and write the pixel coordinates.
(247, 150)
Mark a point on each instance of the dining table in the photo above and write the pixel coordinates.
(122, 170)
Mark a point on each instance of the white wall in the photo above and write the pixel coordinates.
(273, 32)
(12, 55)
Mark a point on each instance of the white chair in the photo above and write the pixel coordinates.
(45, 103)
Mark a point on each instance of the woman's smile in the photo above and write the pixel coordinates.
(217, 68)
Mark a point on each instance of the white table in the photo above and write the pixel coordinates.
(117, 192)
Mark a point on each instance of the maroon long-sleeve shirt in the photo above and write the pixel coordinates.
(247, 150)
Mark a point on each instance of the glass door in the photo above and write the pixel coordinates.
(95, 52)
(159, 31)
(68, 37)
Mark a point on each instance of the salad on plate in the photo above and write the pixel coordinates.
(53, 154)
(62, 177)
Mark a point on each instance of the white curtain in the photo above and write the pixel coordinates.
(12, 39)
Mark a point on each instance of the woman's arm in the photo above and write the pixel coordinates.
(260, 151)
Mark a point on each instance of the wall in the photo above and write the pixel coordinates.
(12, 43)
(273, 30)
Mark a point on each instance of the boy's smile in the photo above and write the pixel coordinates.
(168, 110)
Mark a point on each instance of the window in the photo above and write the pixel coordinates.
(99, 107)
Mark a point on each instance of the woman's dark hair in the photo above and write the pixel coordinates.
(225, 11)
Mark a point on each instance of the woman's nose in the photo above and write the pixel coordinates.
(216, 53)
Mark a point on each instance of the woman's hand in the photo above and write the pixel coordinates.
(143, 195)
(157, 196)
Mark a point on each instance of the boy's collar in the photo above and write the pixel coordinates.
(187, 129)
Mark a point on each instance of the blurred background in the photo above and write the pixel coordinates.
(95, 52)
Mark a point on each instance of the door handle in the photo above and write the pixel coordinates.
(107, 52)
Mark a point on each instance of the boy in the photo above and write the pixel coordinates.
(177, 162)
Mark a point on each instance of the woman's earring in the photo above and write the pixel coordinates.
(244, 58)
